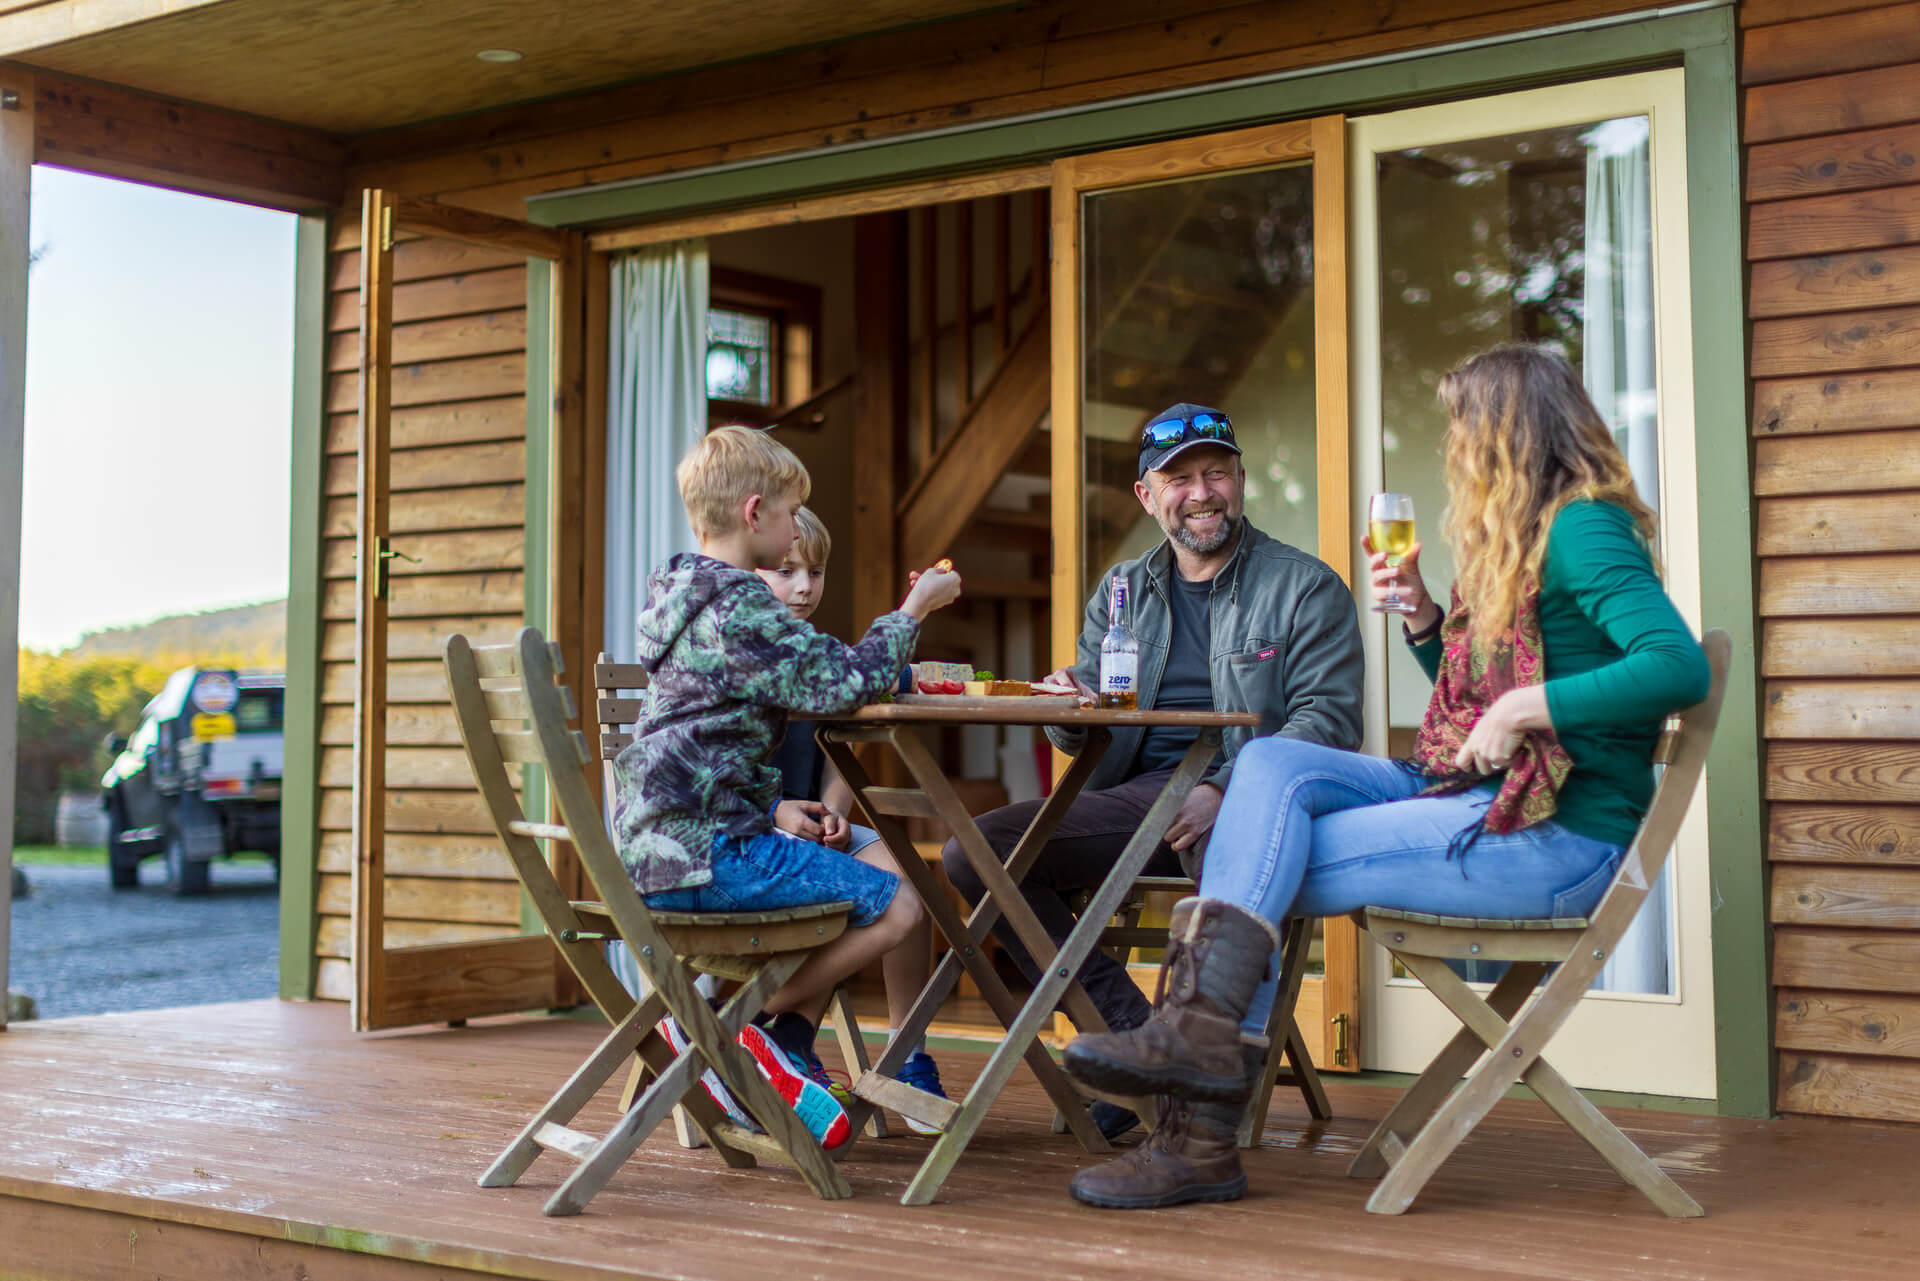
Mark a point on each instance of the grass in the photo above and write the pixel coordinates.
(76, 856)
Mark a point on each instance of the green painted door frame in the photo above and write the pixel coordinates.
(1700, 38)
(300, 781)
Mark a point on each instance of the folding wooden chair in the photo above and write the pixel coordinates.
(616, 686)
(1286, 1047)
(511, 713)
(1414, 1138)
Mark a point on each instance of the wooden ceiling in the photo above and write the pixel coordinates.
(351, 66)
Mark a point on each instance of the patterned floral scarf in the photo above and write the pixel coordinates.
(1471, 677)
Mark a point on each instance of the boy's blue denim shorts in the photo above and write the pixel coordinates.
(771, 871)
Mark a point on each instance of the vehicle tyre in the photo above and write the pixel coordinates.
(123, 865)
(189, 877)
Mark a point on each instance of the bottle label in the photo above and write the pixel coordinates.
(1117, 673)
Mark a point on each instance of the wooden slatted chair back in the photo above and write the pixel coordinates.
(580, 810)
(1682, 751)
(492, 707)
(615, 686)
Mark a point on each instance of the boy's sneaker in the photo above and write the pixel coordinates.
(921, 1073)
(715, 1087)
(817, 1071)
(818, 1110)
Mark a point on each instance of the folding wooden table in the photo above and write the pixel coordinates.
(934, 797)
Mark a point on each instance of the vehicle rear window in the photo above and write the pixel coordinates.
(258, 709)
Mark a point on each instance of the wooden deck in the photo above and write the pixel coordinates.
(266, 1140)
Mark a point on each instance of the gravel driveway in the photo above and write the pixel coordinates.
(80, 947)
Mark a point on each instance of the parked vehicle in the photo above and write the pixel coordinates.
(199, 779)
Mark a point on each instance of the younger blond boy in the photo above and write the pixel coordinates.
(694, 792)
(815, 801)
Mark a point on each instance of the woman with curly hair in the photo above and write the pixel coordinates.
(1554, 667)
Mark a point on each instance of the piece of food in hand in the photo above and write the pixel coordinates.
(1047, 687)
(943, 566)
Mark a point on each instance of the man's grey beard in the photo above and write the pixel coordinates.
(1193, 542)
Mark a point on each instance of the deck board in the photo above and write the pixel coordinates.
(263, 1138)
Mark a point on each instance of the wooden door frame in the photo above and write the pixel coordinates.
(1320, 140)
(456, 981)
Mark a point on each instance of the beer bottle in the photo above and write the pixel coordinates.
(1119, 654)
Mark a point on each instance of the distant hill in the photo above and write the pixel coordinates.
(246, 635)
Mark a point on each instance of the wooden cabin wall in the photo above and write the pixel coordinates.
(459, 504)
(996, 65)
(1832, 127)
(458, 416)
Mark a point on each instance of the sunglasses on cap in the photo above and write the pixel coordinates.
(1168, 432)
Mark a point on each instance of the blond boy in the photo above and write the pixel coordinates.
(694, 792)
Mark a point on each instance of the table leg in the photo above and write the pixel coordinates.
(1000, 887)
(1023, 1031)
(965, 946)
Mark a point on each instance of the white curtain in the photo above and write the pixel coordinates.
(656, 410)
(1619, 373)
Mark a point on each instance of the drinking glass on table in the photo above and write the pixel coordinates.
(1390, 529)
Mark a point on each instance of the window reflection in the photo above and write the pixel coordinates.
(1540, 236)
(1200, 291)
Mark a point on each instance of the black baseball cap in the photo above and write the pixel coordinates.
(1179, 428)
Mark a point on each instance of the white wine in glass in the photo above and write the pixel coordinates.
(1390, 527)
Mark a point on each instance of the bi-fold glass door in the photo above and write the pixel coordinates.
(1556, 216)
(1210, 270)
(1224, 269)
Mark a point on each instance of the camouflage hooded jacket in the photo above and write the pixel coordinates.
(728, 662)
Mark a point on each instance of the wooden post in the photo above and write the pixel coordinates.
(963, 308)
(880, 410)
(16, 168)
(926, 431)
(1002, 270)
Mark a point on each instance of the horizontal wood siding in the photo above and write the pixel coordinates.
(1832, 110)
(459, 474)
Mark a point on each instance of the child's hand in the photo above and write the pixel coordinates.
(931, 589)
(802, 818)
(834, 829)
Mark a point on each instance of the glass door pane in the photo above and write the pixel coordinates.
(1211, 270)
(1540, 235)
(1556, 215)
(1200, 291)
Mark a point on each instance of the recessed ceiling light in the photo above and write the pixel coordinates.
(498, 55)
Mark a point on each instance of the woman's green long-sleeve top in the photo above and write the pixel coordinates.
(1619, 659)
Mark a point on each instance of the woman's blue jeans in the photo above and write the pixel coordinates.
(1308, 830)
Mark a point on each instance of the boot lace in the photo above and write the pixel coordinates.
(1169, 1130)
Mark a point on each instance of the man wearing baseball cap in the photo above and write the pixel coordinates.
(1227, 619)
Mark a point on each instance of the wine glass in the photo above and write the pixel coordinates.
(1390, 527)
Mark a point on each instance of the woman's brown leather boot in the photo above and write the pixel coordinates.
(1191, 1048)
(1192, 1155)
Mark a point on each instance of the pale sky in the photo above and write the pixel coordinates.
(159, 390)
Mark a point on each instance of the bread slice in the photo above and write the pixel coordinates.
(1004, 689)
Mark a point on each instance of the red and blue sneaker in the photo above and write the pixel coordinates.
(715, 1087)
(818, 1110)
